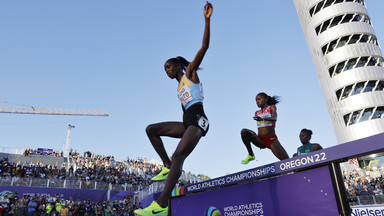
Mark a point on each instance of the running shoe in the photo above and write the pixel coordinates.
(153, 209)
(247, 159)
(162, 175)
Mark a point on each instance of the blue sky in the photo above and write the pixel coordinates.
(109, 55)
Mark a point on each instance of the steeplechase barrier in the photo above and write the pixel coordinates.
(310, 184)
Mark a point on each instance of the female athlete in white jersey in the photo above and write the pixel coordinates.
(194, 126)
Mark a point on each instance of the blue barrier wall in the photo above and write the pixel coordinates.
(93, 195)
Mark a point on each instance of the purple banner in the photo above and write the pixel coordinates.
(45, 151)
(308, 192)
(83, 194)
(335, 153)
(117, 195)
(148, 200)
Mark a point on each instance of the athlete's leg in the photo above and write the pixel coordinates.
(278, 150)
(170, 129)
(249, 136)
(186, 145)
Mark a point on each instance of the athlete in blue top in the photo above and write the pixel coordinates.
(194, 126)
(307, 147)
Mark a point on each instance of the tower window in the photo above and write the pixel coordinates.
(364, 115)
(325, 25)
(363, 61)
(359, 88)
(378, 113)
(354, 39)
(348, 40)
(355, 117)
(335, 21)
(364, 39)
(370, 86)
(326, 3)
(380, 86)
(372, 61)
(346, 118)
(351, 63)
(347, 18)
(340, 19)
(347, 91)
(340, 67)
(318, 7)
(342, 41)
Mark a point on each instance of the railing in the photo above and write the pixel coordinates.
(8, 150)
(367, 200)
(159, 186)
(67, 183)
(155, 186)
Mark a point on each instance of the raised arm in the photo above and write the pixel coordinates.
(190, 71)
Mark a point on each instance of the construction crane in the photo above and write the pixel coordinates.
(48, 111)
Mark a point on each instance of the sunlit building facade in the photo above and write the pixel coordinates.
(349, 64)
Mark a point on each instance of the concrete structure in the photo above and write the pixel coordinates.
(349, 64)
(44, 159)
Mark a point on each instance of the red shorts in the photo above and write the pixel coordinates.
(267, 139)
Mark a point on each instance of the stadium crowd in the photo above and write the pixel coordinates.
(54, 205)
(365, 184)
(87, 168)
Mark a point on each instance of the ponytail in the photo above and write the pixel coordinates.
(179, 60)
(271, 100)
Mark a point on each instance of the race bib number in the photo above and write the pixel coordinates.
(184, 95)
(203, 123)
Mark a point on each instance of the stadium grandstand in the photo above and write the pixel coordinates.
(90, 183)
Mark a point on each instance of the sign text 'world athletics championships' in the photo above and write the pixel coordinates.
(231, 179)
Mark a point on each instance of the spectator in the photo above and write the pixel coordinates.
(82, 210)
(50, 209)
(307, 147)
(108, 211)
(32, 205)
(64, 210)
(41, 206)
(75, 210)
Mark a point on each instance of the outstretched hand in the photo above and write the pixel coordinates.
(208, 10)
(258, 118)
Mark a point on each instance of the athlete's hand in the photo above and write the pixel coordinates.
(208, 10)
(258, 118)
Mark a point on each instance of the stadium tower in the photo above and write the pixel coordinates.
(348, 62)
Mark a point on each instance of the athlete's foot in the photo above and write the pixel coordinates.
(248, 158)
(162, 175)
(153, 209)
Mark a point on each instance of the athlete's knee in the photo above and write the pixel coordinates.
(244, 132)
(179, 156)
(151, 130)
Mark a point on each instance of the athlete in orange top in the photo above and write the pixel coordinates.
(266, 138)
